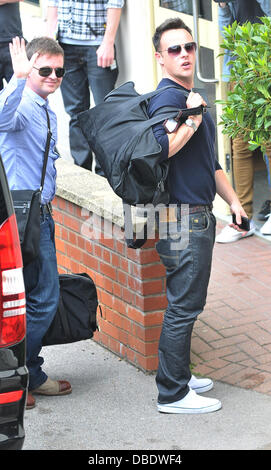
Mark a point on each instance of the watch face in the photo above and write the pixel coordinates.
(191, 123)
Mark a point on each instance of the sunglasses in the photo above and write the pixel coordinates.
(46, 71)
(176, 50)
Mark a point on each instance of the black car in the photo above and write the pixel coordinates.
(13, 371)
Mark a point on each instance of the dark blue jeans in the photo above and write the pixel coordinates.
(6, 69)
(42, 294)
(187, 272)
(83, 74)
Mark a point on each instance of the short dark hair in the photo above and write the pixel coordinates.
(171, 23)
(43, 45)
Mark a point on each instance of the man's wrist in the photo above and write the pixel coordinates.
(191, 123)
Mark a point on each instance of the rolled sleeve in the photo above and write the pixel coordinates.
(115, 4)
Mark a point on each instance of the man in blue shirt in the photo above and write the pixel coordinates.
(194, 178)
(38, 71)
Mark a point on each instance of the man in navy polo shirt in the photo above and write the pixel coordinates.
(194, 178)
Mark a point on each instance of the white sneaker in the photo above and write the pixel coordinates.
(200, 385)
(191, 403)
(229, 234)
(266, 228)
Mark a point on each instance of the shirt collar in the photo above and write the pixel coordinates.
(35, 97)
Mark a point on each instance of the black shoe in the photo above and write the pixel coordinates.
(265, 211)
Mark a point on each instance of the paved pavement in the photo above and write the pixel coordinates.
(113, 407)
(232, 338)
(113, 404)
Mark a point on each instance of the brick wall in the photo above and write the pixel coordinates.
(130, 283)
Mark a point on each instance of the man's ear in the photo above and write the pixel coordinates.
(159, 58)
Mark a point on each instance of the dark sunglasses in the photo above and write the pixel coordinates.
(46, 71)
(176, 50)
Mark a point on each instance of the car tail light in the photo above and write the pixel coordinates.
(12, 292)
(10, 397)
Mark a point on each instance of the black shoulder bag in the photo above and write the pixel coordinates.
(75, 318)
(27, 209)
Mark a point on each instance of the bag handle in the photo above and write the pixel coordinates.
(47, 147)
(128, 229)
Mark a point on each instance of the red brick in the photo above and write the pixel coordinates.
(71, 223)
(116, 289)
(119, 305)
(147, 363)
(108, 270)
(74, 253)
(122, 277)
(60, 245)
(73, 238)
(58, 217)
(90, 261)
(61, 204)
(151, 303)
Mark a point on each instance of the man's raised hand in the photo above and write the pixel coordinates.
(22, 66)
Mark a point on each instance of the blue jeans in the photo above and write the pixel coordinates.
(83, 74)
(42, 294)
(6, 69)
(187, 273)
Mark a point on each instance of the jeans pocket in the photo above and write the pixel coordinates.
(200, 222)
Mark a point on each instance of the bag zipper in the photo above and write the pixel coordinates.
(24, 206)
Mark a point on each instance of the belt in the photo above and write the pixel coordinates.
(168, 214)
(199, 208)
(46, 208)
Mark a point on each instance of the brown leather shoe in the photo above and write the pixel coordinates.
(54, 387)
(30, 402)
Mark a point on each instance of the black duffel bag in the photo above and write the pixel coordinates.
(75, 319)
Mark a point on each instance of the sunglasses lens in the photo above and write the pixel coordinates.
(46, 71)
(60, 72)
(190, 46)
(174, 50)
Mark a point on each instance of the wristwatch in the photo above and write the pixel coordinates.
(189, 122)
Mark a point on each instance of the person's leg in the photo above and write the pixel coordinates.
(101, 81)
(188, 272)
(243, 172)
(42, 295)
(76, 98)
(266, 228)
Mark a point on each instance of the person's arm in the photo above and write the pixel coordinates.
(106, 53)
(51, 24)
(11, 95)
(177, 140)
(225, 190)
(225, 15)
(265, 6)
